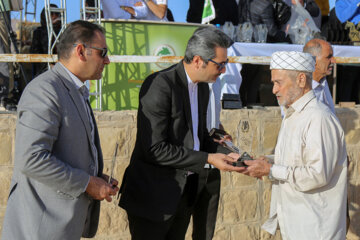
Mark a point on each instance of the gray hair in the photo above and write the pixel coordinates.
(314, 46)
(204, 41)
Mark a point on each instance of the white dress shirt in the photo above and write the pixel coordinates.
(214, 106)
(147, 14)
(193, 94)
(310, 170)
(112, 8)
(322, 93)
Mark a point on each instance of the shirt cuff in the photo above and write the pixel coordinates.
(86, 184)
(279, 172)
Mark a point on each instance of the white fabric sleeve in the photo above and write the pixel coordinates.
(141, 11)
(322, 152)
(160, 2)
(279, 172)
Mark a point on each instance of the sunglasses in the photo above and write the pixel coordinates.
(103, 50)
(220, 66)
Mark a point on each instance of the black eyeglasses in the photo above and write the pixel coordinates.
(103, 50)
(220, 66)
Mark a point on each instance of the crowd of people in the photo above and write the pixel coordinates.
(279, 16)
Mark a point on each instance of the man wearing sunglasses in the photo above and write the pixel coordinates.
(167, 173)
(57, 184)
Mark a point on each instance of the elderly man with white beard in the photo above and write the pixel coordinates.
(309, 172)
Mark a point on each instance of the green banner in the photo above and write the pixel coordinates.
(122, 81)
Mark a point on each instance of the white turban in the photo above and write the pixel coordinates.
(297, 61)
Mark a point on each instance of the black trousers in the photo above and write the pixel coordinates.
(174, 228)
(206, 207)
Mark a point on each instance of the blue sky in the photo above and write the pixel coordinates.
(178, 7)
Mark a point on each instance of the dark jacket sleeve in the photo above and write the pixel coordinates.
(163, 130)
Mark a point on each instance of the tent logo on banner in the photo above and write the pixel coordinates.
(164, 50)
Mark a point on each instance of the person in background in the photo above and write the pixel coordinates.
(225, 11)
(7, 100)
(39, 43)
(153, 10)
(325, 61)
(309, 172)
(114, 9)
(58, 179)
(262, 12)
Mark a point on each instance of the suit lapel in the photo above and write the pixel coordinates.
(75, 97)
(97, 141)
(184, 85)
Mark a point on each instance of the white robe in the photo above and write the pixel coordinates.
(310, 170)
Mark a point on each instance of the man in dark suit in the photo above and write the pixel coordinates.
(166, 170)
(58, 183)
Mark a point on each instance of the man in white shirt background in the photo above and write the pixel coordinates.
(154, 10)
(309, 174)
(325, 60)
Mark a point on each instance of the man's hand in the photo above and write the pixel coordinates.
(99, 189)
(257, 167)
(223, 162)
(138, 4)
(113, 181)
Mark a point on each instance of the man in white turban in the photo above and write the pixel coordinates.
(309, 171)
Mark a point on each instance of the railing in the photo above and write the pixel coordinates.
(33, 58)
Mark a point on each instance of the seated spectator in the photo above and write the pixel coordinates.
(261, 12)
(225, 11)
(115, 9)
(158, 9)
(154, 10)
(89, 13)
(40, 37)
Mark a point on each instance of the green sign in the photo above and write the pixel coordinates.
(122, 81)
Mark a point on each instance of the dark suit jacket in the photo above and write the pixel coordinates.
(154, 181)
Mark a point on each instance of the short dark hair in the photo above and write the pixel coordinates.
(203, 42)
(76, 32)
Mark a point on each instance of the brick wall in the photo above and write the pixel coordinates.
(244, 202)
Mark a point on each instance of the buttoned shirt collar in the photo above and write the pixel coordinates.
(299, 104)
(78, 83)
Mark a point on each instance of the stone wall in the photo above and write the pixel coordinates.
(244, 202)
